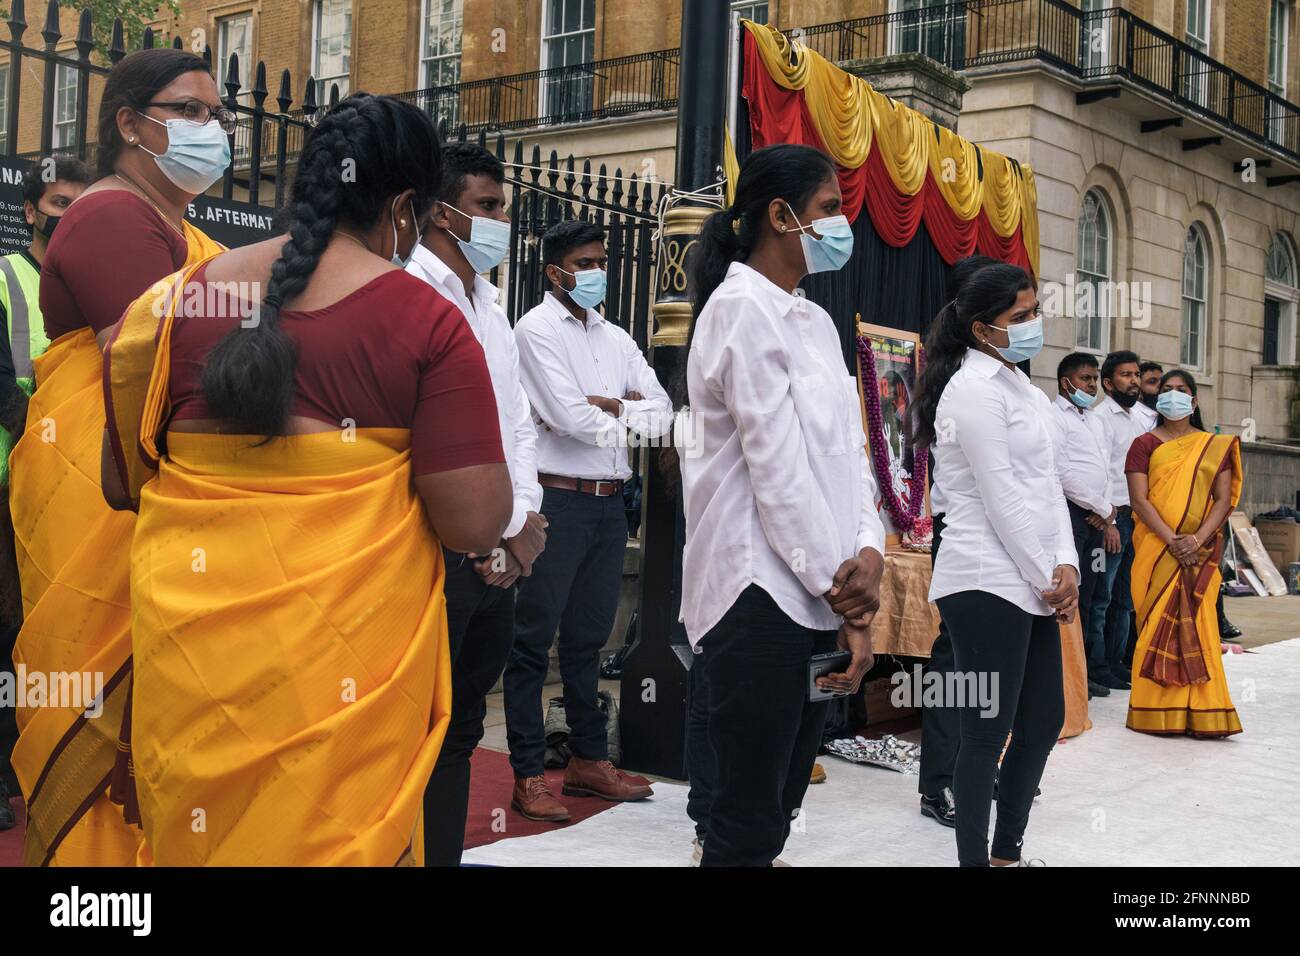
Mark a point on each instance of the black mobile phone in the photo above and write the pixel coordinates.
(833, 662)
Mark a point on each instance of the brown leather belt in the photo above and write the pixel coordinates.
(601, 489)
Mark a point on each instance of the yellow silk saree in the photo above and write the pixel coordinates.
(1178, 682)
(72, 552)
(291, 674)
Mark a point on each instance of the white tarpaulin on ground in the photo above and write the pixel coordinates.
(1111, 797)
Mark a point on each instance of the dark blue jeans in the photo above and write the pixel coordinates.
(574, 587)
(1107, 591)
(1119, 614)
(480, 626)
(762, 728)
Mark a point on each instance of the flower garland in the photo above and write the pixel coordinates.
(909, 519)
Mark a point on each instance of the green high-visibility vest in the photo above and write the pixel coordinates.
(20, 295)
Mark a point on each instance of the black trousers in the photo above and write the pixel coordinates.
(574, 586)
(701, 768)
(762, 729)
(480, 625)
(1089, 542)
(939, 725)
(994, 639)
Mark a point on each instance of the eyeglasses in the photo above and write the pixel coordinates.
(200, 113)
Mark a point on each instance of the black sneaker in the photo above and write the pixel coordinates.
(940, 807)
(1097, 689)
(7, 816)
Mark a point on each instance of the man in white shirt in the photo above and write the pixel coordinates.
(1082, 464)
(592, 395)
(469, 232)
(1150, 373)
(1112, 604)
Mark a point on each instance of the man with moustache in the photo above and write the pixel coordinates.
(1105, 639)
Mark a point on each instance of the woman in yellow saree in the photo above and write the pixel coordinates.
(296, 458)
(123, 233)
(1183, 482)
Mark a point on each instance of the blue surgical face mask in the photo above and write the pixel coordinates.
(196, 155)
(1174, 405)
(832, 250)
(402, 261)
(489, 241)
(1024, 340)
(590, 289)
(1082, 398)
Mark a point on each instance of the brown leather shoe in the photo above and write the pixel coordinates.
(534, 800)
(600, 778)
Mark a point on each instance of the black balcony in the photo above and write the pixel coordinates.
(1096, 48)
(578, 93)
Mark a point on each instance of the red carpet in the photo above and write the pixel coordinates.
(490, 817)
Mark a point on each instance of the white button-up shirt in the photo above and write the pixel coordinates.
(563, 361)
(1006, 525)
(1081, 461)
(1119, 428)
(492, 329)
(778, 488)
(1147, 415)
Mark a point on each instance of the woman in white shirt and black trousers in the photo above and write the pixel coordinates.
(783, 543)
(1008, 569)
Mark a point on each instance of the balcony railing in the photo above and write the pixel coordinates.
(579, 93)
(1109, 44)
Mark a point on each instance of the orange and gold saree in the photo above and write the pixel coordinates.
(291, 675)
(1178, 681)
(72, 554)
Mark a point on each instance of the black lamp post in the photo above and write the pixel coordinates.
(653, 697)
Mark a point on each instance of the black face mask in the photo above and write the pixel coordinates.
(1123, 399)
(47, 230)
(1149, 400)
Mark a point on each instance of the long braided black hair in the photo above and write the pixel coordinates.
(361, 154)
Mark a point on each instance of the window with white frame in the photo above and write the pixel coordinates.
(757, 12)
(331, 47)
(235, 35)
(442, 23)
(568, 40)
(1279, 23)
(1281, 295)
(1197, 36)
(936, 28)
(65, 106)
(4, 108)
(1092, 275)
(1196, 268)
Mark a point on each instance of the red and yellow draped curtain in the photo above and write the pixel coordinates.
(899, 165)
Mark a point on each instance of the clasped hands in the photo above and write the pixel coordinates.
(854, 593)
(514, 557)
